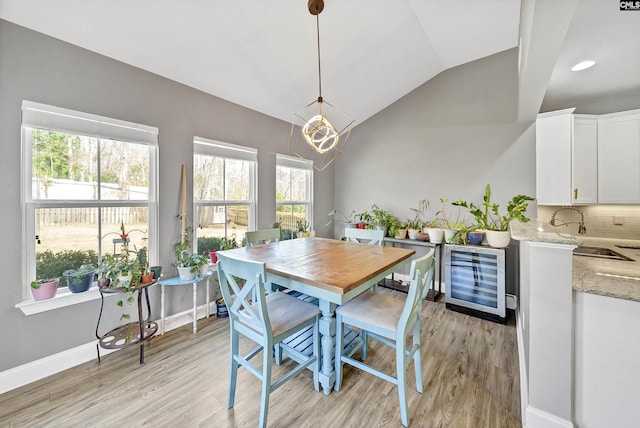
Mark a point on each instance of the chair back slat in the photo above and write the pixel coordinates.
(239, 281)
(421, 274)
(364, 236)
(264, 236)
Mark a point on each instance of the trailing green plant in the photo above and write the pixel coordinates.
(382, 218)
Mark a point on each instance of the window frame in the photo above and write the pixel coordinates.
(297, 163)
(42, 116)
(208, 147)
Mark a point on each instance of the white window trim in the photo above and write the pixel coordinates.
(205, 146)
(42, 116)
(294, 162)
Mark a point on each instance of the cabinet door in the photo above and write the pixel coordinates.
(619, 159)
(553, 160)
(584, 161)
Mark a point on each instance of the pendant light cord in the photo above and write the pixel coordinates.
(319, 73)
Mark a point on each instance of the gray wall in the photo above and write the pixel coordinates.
(42, 69)
(446, 139)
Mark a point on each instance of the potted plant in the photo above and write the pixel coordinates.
(495, 223)
(107, 271)
(79, 280)
(398, 230)
(450, 224)
(201, 263)
(44, 288)
(347, 219)
(413, 227)
(364, 219)
(382, 219)
(303, 229)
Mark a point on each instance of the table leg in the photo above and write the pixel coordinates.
(162, 309)
(327, 344)
(195, 307)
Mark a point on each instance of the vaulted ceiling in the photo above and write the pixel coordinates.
(262, 55)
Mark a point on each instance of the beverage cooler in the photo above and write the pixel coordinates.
(475, 281)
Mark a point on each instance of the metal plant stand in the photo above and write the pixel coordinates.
(134, 333)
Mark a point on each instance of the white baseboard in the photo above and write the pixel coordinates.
(524, 379)
(52, 364)
(537, 418)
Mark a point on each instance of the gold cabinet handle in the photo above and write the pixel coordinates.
(575, 193)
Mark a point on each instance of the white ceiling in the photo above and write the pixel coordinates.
(600, 31)
(262, 54)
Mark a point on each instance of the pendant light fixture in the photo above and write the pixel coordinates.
(324, 127)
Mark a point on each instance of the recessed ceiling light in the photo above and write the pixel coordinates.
(583, 65)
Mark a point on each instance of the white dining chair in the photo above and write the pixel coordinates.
(390, 321)
(266, 321)
(364, 236)
(264, 236)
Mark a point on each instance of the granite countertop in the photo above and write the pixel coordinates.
(539, 231)
(612, 278)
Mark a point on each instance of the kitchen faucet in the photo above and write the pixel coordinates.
(582, 229)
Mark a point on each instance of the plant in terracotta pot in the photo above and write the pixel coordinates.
(44, 288)
(364, 219)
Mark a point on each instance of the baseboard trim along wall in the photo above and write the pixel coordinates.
(537, 418)
(52, 364)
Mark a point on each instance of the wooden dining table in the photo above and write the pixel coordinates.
(332, 271)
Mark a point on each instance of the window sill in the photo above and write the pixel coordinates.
(62, 299)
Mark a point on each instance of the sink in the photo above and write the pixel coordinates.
(603, 253)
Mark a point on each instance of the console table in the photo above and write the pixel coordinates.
(176, 281)
(134, 333)
(433, 293)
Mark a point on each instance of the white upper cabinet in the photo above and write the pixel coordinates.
(619, 158)
(566, 158)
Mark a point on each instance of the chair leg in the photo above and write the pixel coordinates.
(402, 384)
(338, 352)
(365, 344)
(234, 368)
(266, 384)
(277, 353)
(416, 357)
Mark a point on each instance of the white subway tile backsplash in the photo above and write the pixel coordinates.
(599, 220)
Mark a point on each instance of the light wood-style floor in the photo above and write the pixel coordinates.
(470, 375)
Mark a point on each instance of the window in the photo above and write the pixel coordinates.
(84, 178)
(223, 193)
(294, 194)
